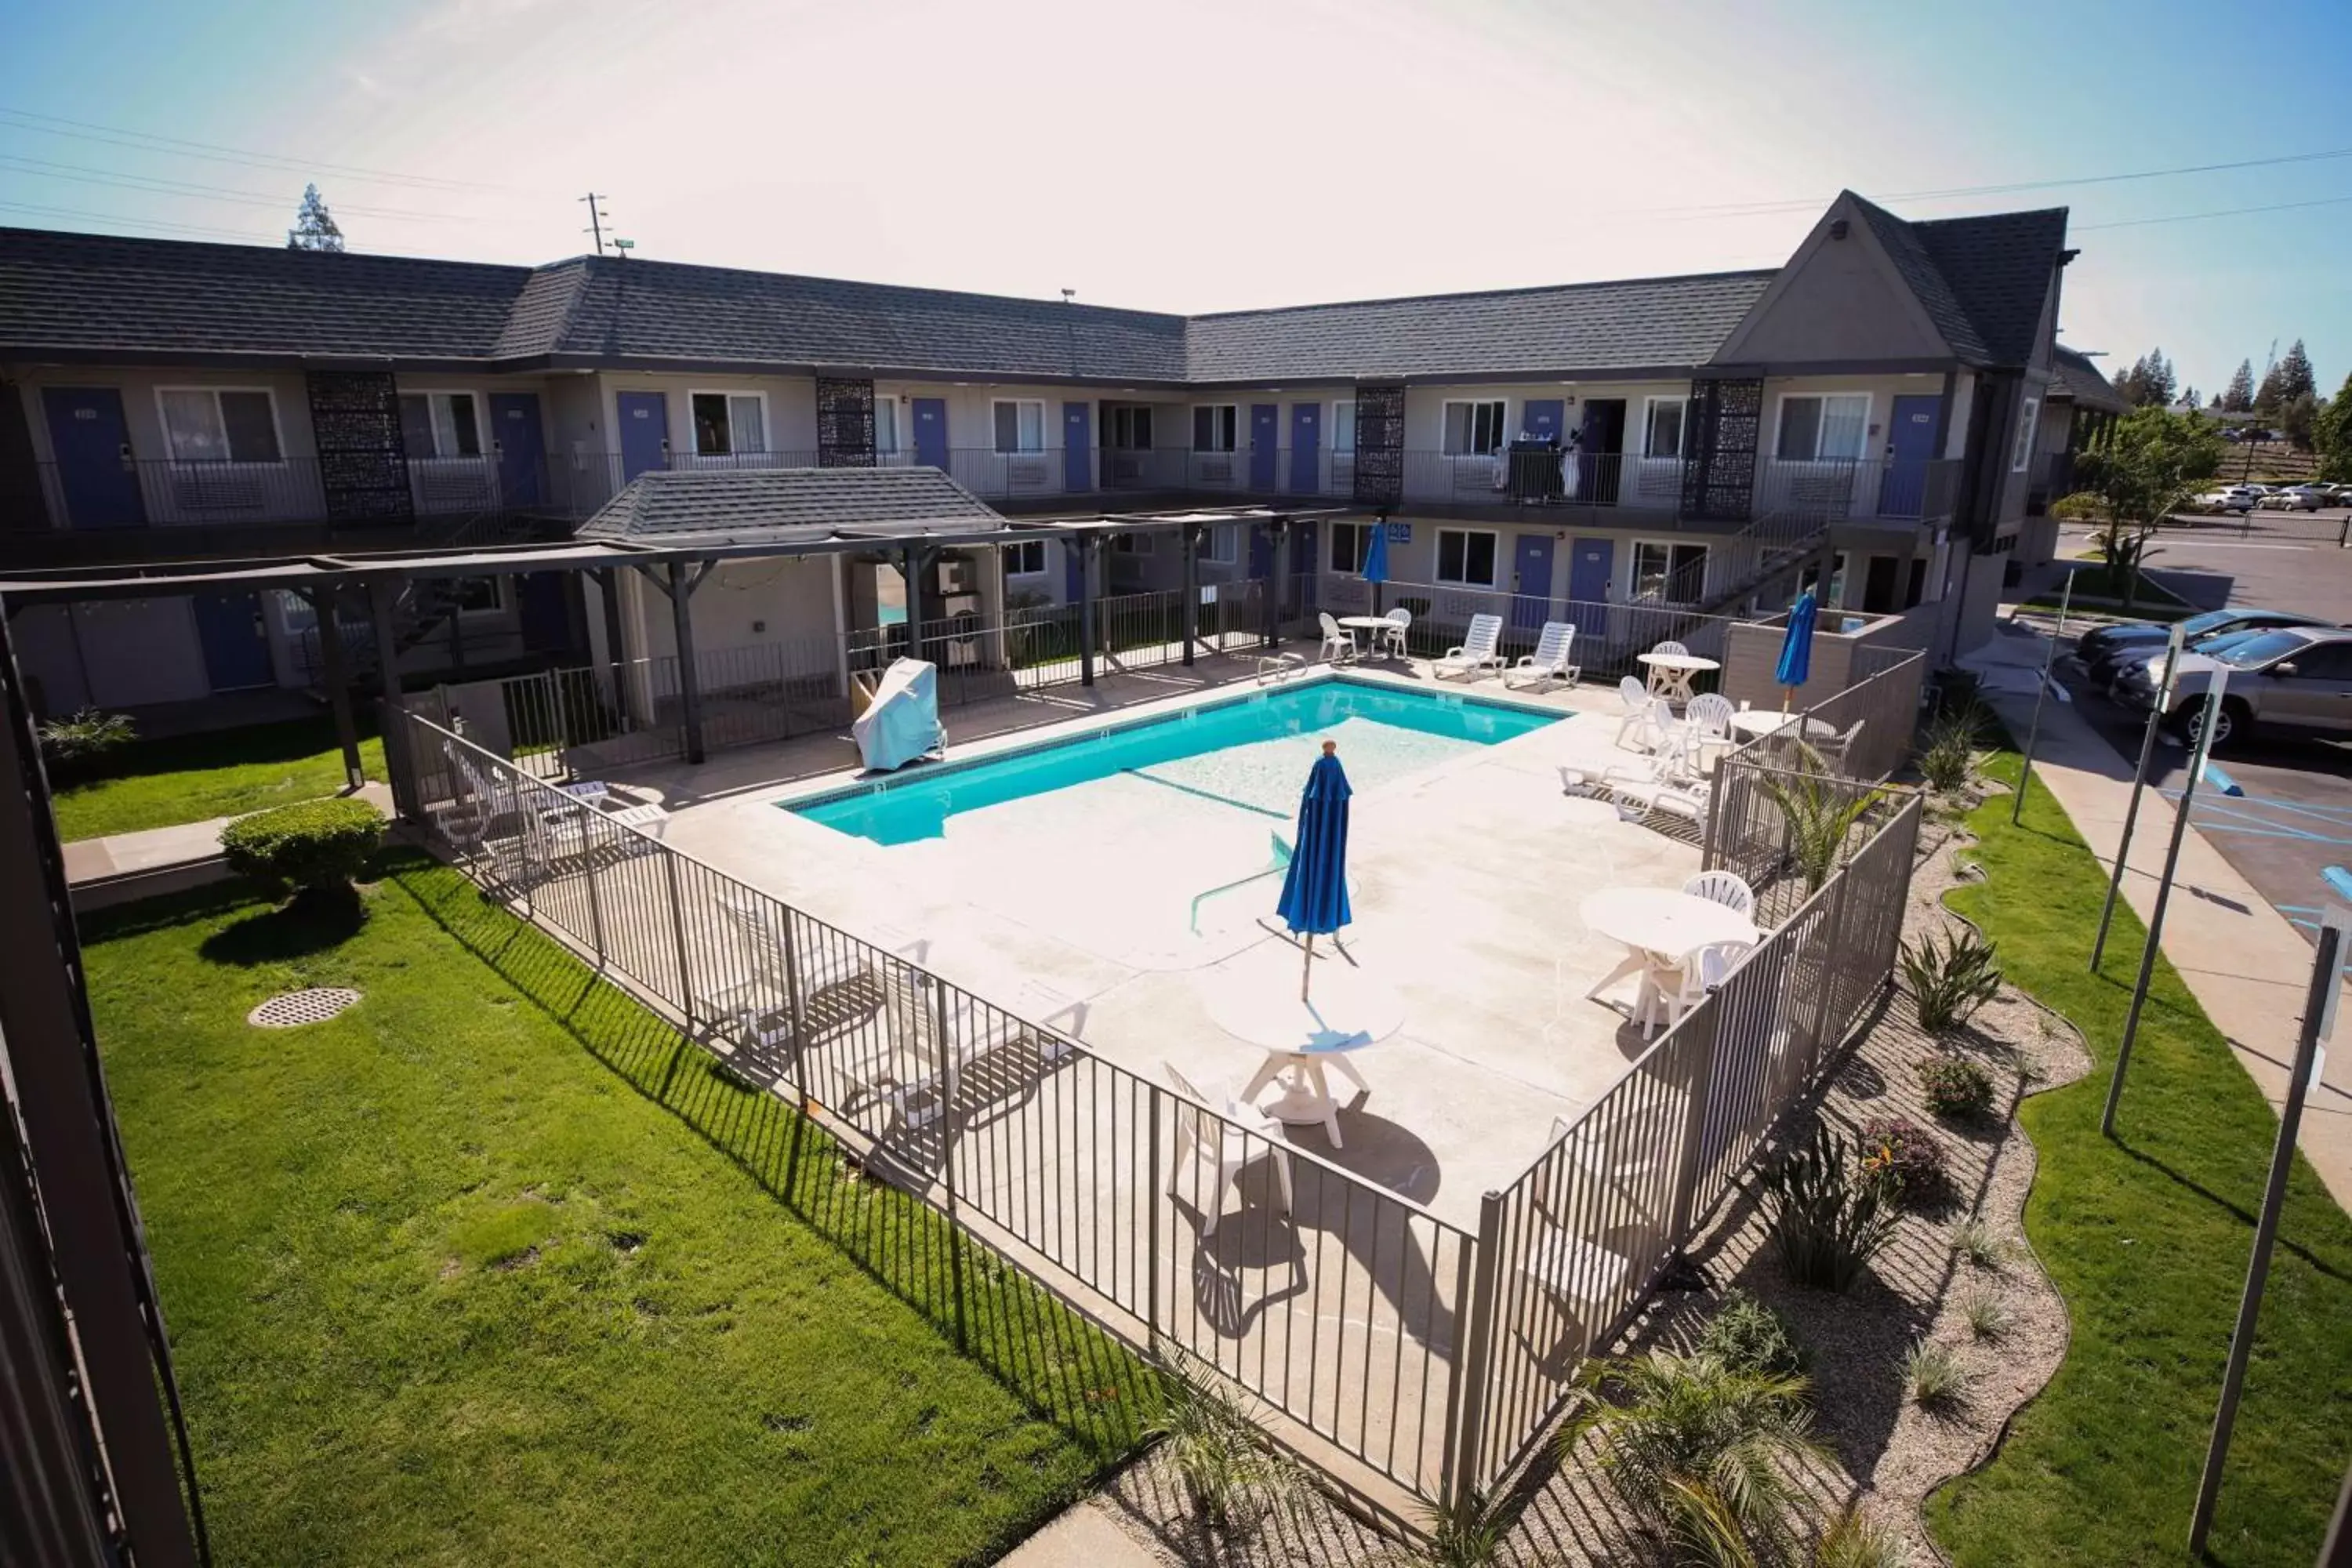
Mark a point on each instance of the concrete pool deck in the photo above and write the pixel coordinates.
(1467, 874)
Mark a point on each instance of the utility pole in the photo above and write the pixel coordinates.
(596, 217)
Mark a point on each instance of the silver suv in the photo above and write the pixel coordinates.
(2297, 679)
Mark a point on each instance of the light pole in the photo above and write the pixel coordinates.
(2209, 719)
(2041, 695)
(2139, 781)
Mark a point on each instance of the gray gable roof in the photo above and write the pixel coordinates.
(786, 505)
(2074, 376)
(103, 291)
(1982, 281)
(1644, 323)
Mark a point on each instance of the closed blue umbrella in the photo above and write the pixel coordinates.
(1797, 648)
(1376, 561)
(1315, 889)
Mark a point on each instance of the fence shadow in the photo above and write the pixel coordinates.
(1063, 1367)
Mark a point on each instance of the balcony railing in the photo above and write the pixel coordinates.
(1894, 489)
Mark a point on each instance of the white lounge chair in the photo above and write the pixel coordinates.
(1224, 1143)
(756, 997)
(1550, 662)
(1475, 653)
(1726, 887)
(1338, 642)
(919, 1072)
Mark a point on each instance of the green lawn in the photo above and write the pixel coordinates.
(2149, 1238)
(495, 1269)
(191, 778)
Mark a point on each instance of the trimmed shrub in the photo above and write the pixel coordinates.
(1750, 1337)
(314, 846)
(1902, 1157)
(1954, 1087)
(1829, 1219)
(1951, 977)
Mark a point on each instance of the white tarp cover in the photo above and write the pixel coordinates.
(902, 723)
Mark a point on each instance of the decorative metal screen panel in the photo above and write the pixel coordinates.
(1726, 418)
(362, 462)
(844, 423)
(1380, 445)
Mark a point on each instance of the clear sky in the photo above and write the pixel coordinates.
(1212, 154)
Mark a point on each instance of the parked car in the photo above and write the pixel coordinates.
(2229, 498)
(2103, 653)
(2296, 497)
(2294, 680)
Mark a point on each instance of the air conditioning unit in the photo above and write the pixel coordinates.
(957, 576)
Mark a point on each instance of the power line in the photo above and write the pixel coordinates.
(147, 141)
(81, 173)
(2224, 212)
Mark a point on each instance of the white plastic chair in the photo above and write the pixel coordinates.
(1701, 973)
(1338, 642)
(1637, 699)
(1476, 652)
(1726, 887)
(1207, 1143)
(1670, 645)
(1710, 716)
(1399, 621)
(1550, 661)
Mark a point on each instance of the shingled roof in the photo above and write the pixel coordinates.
(2073, 376)
(1982, 281)
(749, 506)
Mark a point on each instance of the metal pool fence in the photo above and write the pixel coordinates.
(1391, 1346)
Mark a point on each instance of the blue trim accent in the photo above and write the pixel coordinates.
(2221, 781)
(2340, 880)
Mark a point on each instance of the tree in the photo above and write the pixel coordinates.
(2267, 397)
(2151, 463)
(2297, 419)
(2239, 397)
(2216, 405)
(2331, 436)
(2150, 382)
(2294, 375)
(314, 228)
(2189, 396)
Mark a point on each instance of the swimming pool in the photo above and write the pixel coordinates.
(1249, 756)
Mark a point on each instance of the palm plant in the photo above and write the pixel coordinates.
(1950, 978)
(1818, 810)
(1468, 1531)
(1228, 1466)
(1850, 1540)
(1947, 757)
(1697, 1450)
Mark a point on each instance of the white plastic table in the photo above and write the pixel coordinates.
(1768, 722)
(1254, 998)
(1670, 673)
(1661, 928)
(1375, 625)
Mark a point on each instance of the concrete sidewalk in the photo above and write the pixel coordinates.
(2245, 964)
(121, 867)
(1088, 1535)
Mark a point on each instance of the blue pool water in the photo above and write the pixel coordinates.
(1251, 755)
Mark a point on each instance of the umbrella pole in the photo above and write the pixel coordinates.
(1307, 974)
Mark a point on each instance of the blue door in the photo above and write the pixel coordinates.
(1078, 448)
(235, 644)
(1305, 448)
(1542, 417)
(1531, 582)
(92, 443)
(645, 433)
(1910, 446)
(1266, 437)
(521, 445)
(1591, 567)
(932, 433)
(545, 613)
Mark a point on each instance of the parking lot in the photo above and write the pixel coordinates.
(2294, 816)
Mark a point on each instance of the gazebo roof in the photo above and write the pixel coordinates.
(787, 506)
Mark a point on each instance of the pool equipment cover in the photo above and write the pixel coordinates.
(902, 723)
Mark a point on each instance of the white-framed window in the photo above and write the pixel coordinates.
(2024, 453)
(1129, 428)
(1465, 556)
(1668, 568)
(729, 422)
(1473, 429)
(1020, 425)
(1225, 544)
(441, 423)
(1828, 424)
(1025, 559)
(1662, 427)
(480, 595)
(1343, 426)
(886, 427)
(1216, 426)
(1349, 543)
(220, 424)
